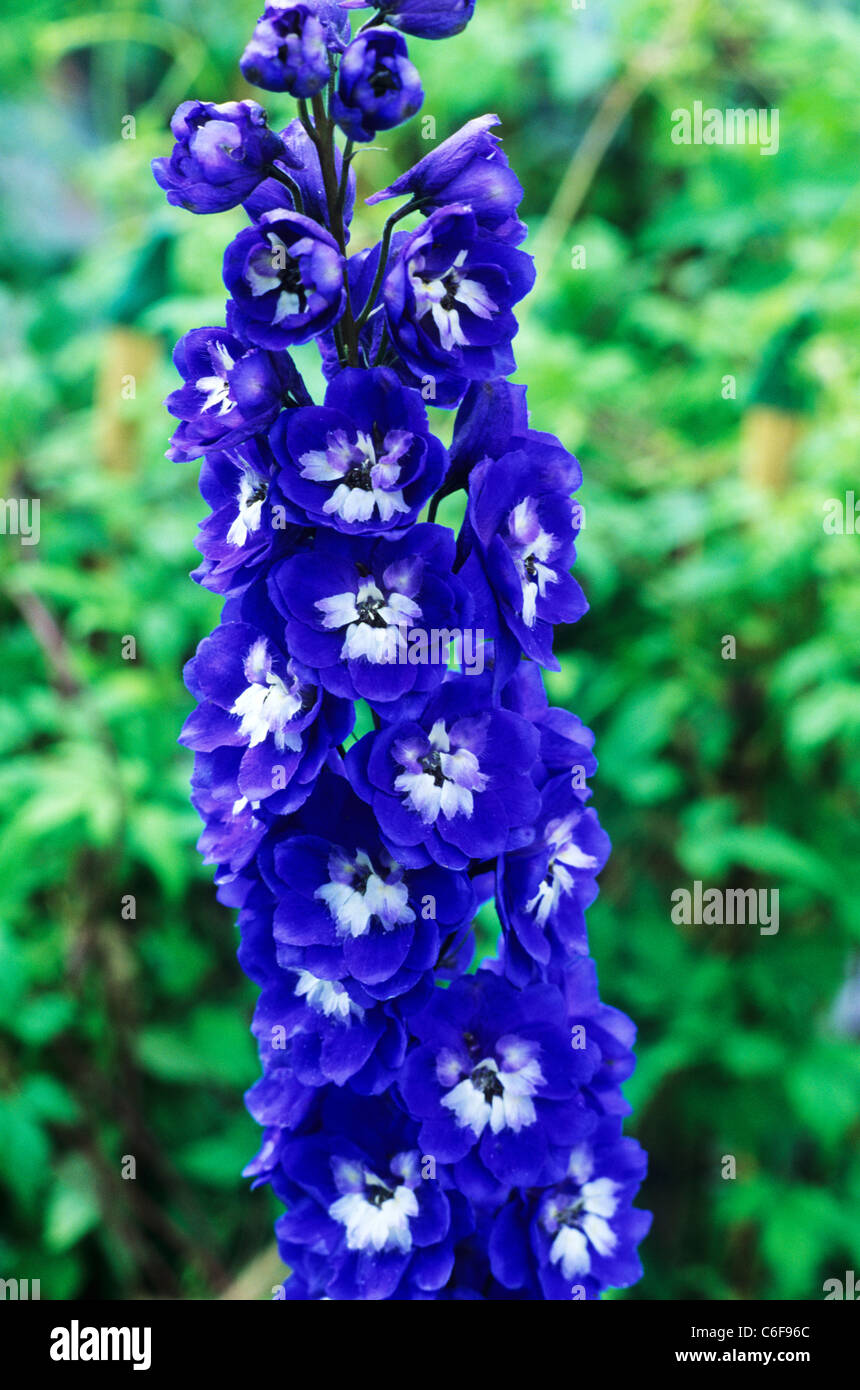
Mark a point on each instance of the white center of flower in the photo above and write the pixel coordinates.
(328, 997)
(277, 270)
(375, 623)
(490, 1095)
(565, 858)
(581, 1222)
(267, 706)
(216, 388)
(365, 470)
(438, 780)
(377, 1218)
(444, 296)
(249, 500)
(532, 548)
(356, 894)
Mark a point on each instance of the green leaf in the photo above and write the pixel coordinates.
(72, 1208)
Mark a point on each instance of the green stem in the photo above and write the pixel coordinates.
(344, 178)
(383, 258)
(383, 344)
(338, 342)
(324, 140)
(304, 117)
(295, 191)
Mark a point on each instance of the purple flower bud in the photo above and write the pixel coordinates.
(221, 154)
(378, 87)
(286, 277)
(426, 19)
(469, 168)
(289, 49)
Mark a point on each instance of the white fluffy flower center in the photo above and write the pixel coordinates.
(328, 997)
(439, 780)
(566, 858)
(375, 622)
(580, 1221)
(500, 1097)
(267, 705)
(445, 296)
(365, 471)
(216, 388)
(532, 547)
(249, 504)
(378, 1218)
(356, 894)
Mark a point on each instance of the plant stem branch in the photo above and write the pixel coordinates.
(324, 140)
(292, 186)
(384, 248)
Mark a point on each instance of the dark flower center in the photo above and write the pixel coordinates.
(289, 275)
(486, 1080)
(451, 281)
(530, 566)
(290, 24)
(377, 1193)
(432, 763)
(570, 1214)
(359, 476)
(291, 278)
(369, 612)
(360, 877)
(383, 80)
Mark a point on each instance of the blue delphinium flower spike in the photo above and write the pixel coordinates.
(376, 763)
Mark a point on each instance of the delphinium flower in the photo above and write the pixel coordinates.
(544, 889)
(449, 297)
(468, 167)
(359, 612)
(231, 392)
(365, 462)
(221, 154)
(247, 529)
(263, 726)
(454, 783)
(579, 1234)
(376, 761)
(495, 1081)
(347, 909)
(426, 19)
(377, 85)
(289, 49)
(285, 276)
(363, 1220)
(518, 543)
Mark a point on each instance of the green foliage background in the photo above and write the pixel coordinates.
(704, 518)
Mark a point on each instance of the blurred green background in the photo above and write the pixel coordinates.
(693, 339)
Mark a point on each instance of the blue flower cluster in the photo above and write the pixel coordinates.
(375, 756)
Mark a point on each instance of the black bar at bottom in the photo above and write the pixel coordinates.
(259, 1340)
